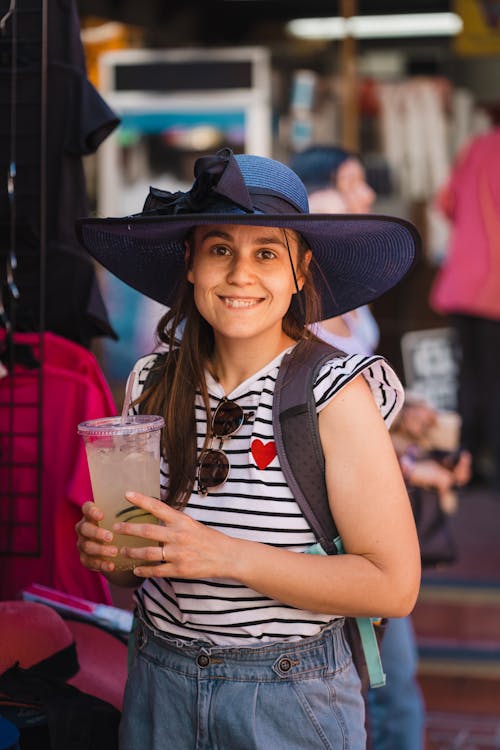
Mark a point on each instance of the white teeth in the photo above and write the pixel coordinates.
(237, 302)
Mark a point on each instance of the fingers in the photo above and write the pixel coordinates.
(98, 557)
(151, 571)
(95, 555)
(87, 525)
(146, 554)
(151, 531)
(150, 561)
(151, 505)
(94, 542)
(156, 532)
(92, 511)
(90, 530)
(158, 566)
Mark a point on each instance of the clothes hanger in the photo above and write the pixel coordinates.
(7, 15)
(12, 352)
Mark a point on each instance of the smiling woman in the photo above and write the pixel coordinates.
(231, 615)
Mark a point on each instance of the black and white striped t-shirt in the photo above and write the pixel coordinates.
(256, 504)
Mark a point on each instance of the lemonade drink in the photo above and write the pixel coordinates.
(123, 456)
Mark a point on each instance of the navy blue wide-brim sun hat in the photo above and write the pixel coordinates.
(356, 258)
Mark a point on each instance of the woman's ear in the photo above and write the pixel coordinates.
(187, 261)
(305, 265)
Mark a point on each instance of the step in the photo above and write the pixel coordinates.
(460, 611)
(461, 695)
(454, 658)
(457, 625)
(470, 731)
(455, 590)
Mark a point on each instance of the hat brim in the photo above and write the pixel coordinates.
(357, 258)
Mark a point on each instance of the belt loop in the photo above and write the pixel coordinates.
(141, 637)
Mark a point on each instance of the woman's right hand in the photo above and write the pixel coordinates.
(95, 543)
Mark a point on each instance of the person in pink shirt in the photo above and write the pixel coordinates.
(467, 288)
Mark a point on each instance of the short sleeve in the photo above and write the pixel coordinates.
(140, 372)
(97, 118)
(386, 388)
(89, 119)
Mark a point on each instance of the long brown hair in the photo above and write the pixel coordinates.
(181, 374)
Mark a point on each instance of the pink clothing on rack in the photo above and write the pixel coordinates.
(469, 280)
(74, 389)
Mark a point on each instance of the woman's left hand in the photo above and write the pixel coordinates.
(187, 548)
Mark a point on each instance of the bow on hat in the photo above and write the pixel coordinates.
(215, 176)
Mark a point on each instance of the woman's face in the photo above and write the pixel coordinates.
(242, 277)
(327, 201)
(351, 183)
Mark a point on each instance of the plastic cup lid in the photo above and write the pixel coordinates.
(137, 423)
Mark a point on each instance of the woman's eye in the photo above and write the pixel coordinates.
(267, 254)
(220, 250)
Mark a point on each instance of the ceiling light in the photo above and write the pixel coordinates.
(377, 27)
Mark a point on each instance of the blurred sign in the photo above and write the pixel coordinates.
(430, 362)
(100, 36)
(480, 34)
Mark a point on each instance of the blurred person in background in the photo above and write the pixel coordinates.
(467, 288)
(336, 182)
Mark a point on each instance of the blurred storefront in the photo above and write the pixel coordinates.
(407, 105)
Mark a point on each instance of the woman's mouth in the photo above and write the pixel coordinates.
(239, 302)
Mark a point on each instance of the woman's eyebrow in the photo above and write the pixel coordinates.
(215, 233)
(270, 241)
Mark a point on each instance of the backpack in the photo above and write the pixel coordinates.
(298, 445)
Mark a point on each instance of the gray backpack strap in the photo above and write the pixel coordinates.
(297, 439)
(298, 444)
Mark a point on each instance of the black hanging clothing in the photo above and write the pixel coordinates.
(78, 121)
(51, 714)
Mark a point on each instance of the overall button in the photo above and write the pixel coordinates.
(202, 660)
(284, 665)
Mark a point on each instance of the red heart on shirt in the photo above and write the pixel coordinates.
(263, 453)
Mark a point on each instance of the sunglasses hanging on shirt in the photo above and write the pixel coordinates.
(213, 464)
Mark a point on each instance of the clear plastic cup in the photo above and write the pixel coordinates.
(123, 456)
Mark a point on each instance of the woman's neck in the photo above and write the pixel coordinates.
(234, 362)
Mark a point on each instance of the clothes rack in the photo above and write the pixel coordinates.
(23, 164)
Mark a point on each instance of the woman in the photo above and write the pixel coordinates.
(240, 640)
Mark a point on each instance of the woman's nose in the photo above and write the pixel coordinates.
(240, 270)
